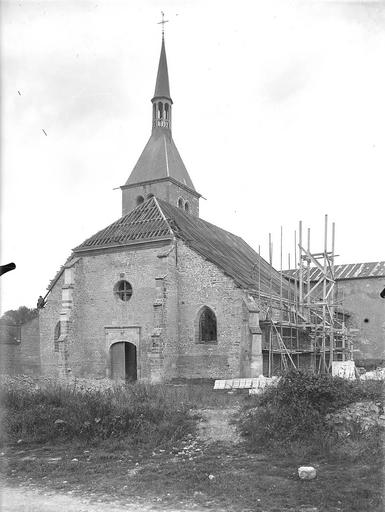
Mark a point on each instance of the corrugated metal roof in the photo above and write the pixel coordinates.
(348, 271)
(155, 219)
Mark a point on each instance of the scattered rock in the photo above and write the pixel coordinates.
(211, 477)
(377, 374)
(53, 460)
(75, 460)
(360, 416)
(19, 441)
(59, 422)
(307, 472)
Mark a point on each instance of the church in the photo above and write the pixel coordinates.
(160, 294)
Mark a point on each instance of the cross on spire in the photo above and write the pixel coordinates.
(162, 23)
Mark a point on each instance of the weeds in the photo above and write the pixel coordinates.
(46, 410)
(291, 417)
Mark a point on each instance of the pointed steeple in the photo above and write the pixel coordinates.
(162, 86)
(162, 102)
(160, 170)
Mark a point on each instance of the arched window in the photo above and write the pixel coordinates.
(187, 207)
(180, 203)
(56, 336)
(166, 110)
(207, 326)
(139, 200)
(123, 290)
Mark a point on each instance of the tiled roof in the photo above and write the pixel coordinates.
(156, 219)
(145, 222)
(160, 159)
(229, 252)
(348, 271)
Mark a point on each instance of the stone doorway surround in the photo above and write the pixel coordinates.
(122, 333)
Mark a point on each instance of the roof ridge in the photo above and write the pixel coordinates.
(156, 226)
(163, 215)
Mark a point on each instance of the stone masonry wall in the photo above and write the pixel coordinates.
(30, 347)
(49, 316)
(10, 358)
(170, 283)
(96, 308)
(164, 190)
(361, 298)
(201, 283)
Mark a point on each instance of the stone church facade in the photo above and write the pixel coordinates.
(160, 294)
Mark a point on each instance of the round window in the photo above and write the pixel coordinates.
(123, 290)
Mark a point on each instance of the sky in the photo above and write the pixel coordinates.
(279, 116)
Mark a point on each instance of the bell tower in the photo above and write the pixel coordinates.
(162, 102)
(160, 170)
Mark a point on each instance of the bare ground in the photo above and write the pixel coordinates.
(212, 472)
(22, 499)
(216, 426)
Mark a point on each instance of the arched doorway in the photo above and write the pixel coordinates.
(123, 361)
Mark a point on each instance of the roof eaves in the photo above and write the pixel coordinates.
(159, 180)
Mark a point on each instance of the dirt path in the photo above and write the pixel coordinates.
(23, 499)
(215, 426)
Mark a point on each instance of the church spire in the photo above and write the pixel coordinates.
(162, 86)
(160, 170)
(161, 102)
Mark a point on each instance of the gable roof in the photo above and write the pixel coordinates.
(160, 159)
(348, 271)
(158, 220)
(144, 223)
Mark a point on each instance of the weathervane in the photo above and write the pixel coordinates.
(162, 23)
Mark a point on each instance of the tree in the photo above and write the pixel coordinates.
(19, 316)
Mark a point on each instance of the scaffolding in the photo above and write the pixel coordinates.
(304, 323)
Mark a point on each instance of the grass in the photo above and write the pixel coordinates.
(45, 410)
(292, 417)
(169, 466)
(242, 481)
(52, 411)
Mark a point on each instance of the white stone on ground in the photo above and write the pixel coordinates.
(307, 472)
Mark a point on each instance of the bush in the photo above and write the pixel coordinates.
(47, 410)
(292, 414)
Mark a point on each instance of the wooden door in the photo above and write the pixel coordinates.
(118, 361)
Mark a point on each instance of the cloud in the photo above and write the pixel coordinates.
(287, 82)
(368, 14)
